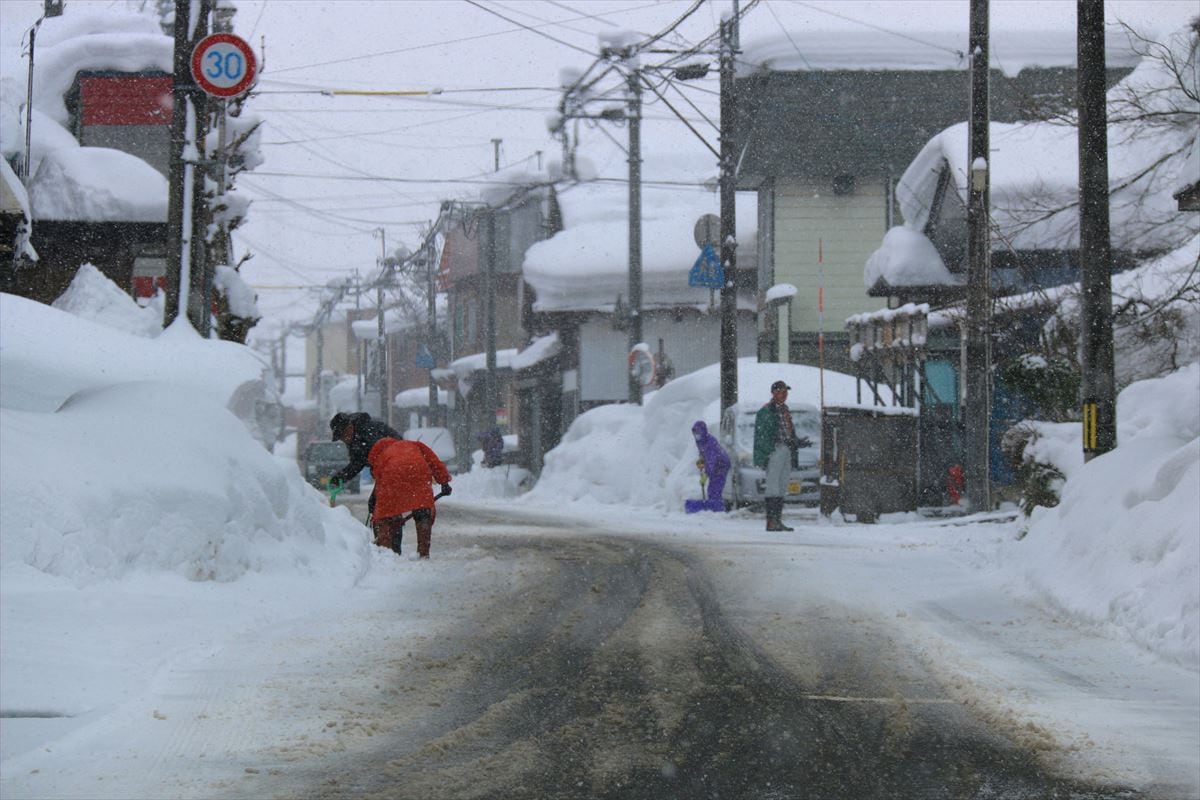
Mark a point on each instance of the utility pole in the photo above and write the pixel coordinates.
(977, 407)
(178, 279)
(385, 408)
(1095, 253)
(490, 394)
(199, 309)
(432, 315)
(496, 154)
(634, 114)
(728, 187)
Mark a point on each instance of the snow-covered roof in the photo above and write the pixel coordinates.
(539, 349)
(586, 265)
(110, 39)
(1189, 176)
(1010, 51)
(465, 366)
(411, 398)
(1034, 168)
(97, 184)
(907, 258)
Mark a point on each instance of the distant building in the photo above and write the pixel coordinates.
(826, 124)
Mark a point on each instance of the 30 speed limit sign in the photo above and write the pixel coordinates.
(223, 65)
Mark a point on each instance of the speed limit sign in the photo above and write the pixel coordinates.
(223, 65)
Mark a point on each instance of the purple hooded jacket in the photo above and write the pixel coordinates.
(716, 461)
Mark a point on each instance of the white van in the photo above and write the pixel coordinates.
(745, 484)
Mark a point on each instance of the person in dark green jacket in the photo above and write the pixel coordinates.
(775, 441)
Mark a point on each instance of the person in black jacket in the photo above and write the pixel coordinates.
(364, 434)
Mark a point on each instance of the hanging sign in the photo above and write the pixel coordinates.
(223, 65)
(707, 271)
(424, 359)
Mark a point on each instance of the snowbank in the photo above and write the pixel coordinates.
(125, 454)
(645, 456)
(92, 296)
(145, 477)
(47, 355)
(1122, 549)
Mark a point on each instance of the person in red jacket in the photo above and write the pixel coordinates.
(404, 473)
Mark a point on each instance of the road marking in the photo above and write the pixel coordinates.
(834, 698)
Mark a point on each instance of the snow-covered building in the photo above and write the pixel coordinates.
(1034, 234)
(484, 243)
(576, 286)
(99, 138)
(828, 121)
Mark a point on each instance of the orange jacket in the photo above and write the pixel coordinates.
(403, 473)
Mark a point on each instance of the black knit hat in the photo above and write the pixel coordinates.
(338, 425)
(777, 385)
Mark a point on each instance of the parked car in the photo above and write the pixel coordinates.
(746, 481)
(322, 460)
(439, 440)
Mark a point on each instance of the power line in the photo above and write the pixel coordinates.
(449, 41)
(531, 29)
(788, 34)
(880, 28)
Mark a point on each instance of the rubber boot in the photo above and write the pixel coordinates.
(424, 537)
(775, 515)
(772, 520)
(383, 535)
(779, 516)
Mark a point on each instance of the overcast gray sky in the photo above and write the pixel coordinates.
(306, 231)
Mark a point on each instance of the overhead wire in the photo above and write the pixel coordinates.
(440, 44)
(880, 28)
(530, 28)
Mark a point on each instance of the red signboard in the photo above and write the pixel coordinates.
(125, 100)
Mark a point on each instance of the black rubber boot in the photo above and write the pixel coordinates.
(775, 515)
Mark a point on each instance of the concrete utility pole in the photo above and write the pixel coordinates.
(1095, 253)
(381, 366)
(200, 292)
(490, 394)
(728, 187)
(978, 405)
(430, 289)
(177, 279)
(634, 115)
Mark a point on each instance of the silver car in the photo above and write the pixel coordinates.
(746, 481)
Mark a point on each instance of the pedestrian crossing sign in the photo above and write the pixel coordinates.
(707, 271)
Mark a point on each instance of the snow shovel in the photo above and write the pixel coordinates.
(692, 506)
(335, 488)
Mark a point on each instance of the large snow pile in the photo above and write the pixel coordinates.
(123, 455)
(1122, 549)
(94, 297)
(645, 456)
(47, 355)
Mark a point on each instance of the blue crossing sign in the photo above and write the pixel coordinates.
(707, 271)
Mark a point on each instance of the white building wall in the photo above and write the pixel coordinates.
(691, 342)
(846, 229)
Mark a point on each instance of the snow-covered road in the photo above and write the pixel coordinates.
(548, 651)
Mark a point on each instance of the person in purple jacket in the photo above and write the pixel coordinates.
(714, 461)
